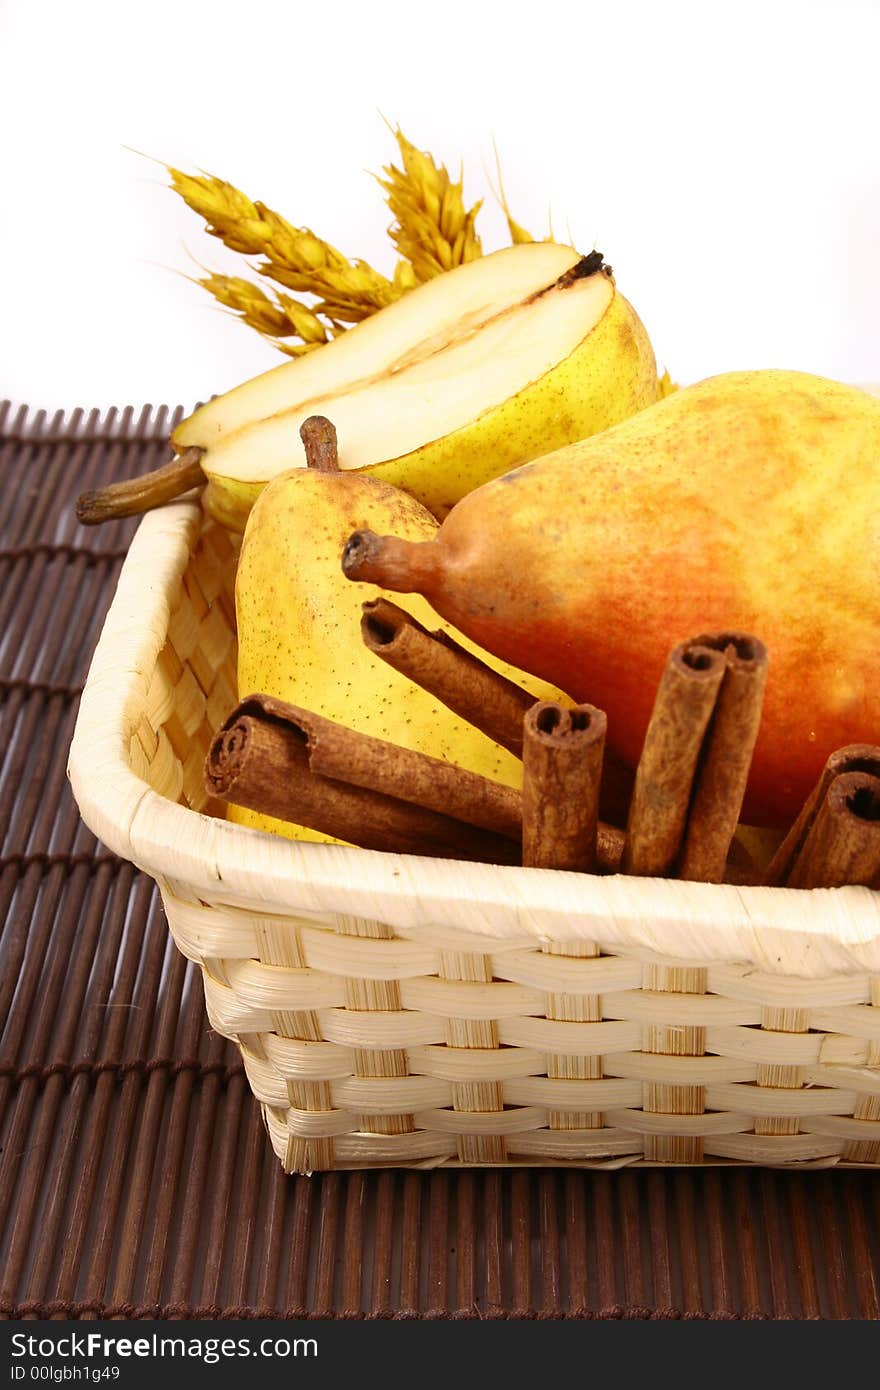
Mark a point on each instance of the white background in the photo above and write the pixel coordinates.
(725, 158)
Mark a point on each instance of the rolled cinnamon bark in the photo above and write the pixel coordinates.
(664, 778)
(741, 867)
(855, 757)
(723, 769)
(405, 773)
(436, 662)
(269, 756)
(609, 848)
(562, 768)
(842, 844)
(473, 690)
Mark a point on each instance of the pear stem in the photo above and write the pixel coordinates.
(406, 567)
(318, 435)
(138, 495)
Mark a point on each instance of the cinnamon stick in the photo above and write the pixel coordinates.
(457, 677)
(682, 709)
(473, 689)
(842, 844)
(456, 803)
(562, 767)
(377, 765)
(723, 768)
(289, 763)
(855, 757)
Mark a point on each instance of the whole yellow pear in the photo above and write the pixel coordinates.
(299, 619)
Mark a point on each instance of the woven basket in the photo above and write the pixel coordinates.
(419, 1012)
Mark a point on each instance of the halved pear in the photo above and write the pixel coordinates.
(422, 321)
(483, 368)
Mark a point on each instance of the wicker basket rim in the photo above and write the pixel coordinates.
(782, 931)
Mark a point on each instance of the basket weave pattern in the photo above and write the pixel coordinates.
(423, 1043)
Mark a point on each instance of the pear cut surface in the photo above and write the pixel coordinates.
(438, 359)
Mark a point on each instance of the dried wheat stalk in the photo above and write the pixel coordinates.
(278, 319)
(433, 232)
(432, 229)
(295, 257)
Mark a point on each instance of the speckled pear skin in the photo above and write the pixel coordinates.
(749, 501)
(609, 377)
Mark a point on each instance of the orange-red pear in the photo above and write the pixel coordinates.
(749, 501)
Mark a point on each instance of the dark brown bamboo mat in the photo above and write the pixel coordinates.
(135, 1175)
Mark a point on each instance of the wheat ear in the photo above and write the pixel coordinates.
(347, 291)
(432, 228)
(278, 320)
